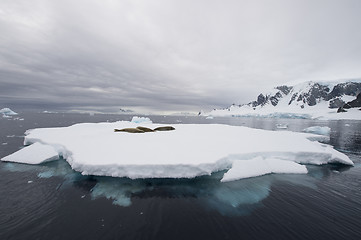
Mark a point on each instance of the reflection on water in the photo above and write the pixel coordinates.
(227, 198)
(230, 198)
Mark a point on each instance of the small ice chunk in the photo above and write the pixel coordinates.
(7, 112)
(137, 119)
(34, 154)
(281, 126)
(259, 166)
(318, 130)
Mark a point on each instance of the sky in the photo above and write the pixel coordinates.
(169, 56)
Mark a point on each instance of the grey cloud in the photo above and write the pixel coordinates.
(170, 55)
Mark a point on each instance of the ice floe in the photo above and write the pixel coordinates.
(188, 151)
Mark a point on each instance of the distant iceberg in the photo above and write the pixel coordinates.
(318, 130)
(188, 151)
(137, 119)
(281, 126)
(7, 112)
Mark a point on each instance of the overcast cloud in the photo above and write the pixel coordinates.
(169, 55)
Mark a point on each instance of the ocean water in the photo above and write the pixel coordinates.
(51, 201)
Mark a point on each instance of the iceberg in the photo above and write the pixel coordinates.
(6, 112)
(188, 151)
(137, 119)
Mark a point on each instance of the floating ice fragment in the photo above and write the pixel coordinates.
(137, 119)
(7, 112)
(281, 126)
(318, 130)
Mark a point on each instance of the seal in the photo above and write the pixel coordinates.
(145, 129)
(129, 130)
(165, 128)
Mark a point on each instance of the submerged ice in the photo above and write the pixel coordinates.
(190, 150)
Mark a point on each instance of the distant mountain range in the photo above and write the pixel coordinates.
(311, 99)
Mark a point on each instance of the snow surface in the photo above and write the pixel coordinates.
(190, 150)
(34, 154)
(330, 83)
(260, 166)
(318, 130)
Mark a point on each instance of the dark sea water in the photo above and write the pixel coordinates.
(51, 201)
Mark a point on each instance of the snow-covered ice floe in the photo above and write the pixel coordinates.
(188, 151)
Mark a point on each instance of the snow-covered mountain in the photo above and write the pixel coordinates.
(312, 99)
